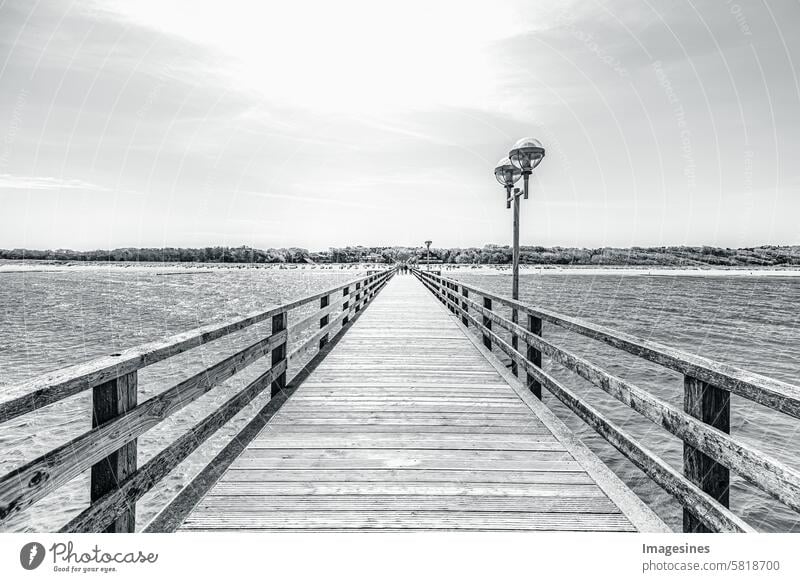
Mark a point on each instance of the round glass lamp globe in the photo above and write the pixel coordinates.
(506, 173)
(526, 154)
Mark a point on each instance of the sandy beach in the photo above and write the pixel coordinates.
(447, 269)
(621, 271)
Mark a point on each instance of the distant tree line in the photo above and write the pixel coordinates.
(241, 254)
(768, 255)
(765, 256)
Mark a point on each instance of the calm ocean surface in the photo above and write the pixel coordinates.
(52, 319)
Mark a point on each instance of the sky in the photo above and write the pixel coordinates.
(318, 124)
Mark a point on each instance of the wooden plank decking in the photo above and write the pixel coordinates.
(408, 424)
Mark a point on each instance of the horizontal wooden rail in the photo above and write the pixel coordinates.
(313, 341)
(62, 464)
(314, 317)
(700, 437)
(113, 504)
(109, 448)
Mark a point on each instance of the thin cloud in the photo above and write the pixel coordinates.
(13, 182)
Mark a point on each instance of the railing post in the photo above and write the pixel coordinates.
(449, 295)
(345, 305)
(440, 293)
(534, 356)
(712, 406)
(487, 323)
(110, 400)
(324, 301)
(464, 306)
(279, 353)
(514, 342)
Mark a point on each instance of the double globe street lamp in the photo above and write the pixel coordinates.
(523, 158)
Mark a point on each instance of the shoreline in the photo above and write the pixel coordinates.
(32, 266)
(633, 271)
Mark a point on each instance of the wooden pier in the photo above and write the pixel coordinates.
(408, 425)
(400, 417)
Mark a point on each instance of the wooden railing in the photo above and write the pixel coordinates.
(710, 452)
(109, 449)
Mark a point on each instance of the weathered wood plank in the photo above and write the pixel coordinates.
(252, 489)
(414, 429)
(34, 480)
(279, 352)
(400, 475)
(371, 401)
(475, 418)
(477, 442)
(445, 520)
(404, 457)
(534, 355)
(466, 391)
(333, 407)
(232, 505)
(711, 406)
(113, 503)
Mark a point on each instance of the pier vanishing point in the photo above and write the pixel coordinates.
(391, 410)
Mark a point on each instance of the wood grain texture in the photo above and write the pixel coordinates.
(31, 482)
(110, 401)
(406, 426)
(114, 503)
(712, 406)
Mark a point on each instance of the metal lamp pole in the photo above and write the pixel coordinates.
(508, 174)
(522, 159)
(428, 258)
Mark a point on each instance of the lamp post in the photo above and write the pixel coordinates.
(508, 174)
(526, 154)
(428, 257)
